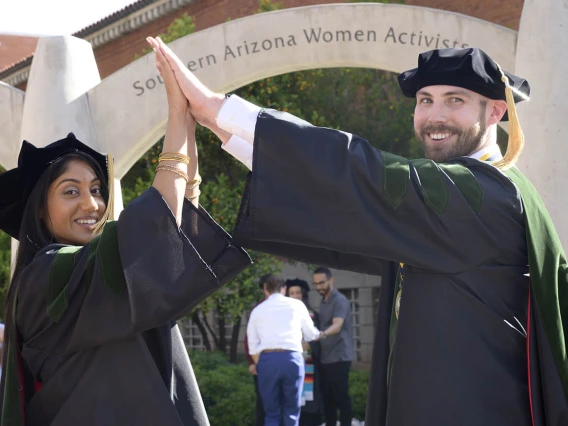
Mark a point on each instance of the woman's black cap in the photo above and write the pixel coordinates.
(298, 283)
(17, 184)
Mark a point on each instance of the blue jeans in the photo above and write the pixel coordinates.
(280, 381)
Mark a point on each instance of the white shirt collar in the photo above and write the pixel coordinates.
(487, 152)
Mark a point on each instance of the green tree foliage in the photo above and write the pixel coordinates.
(222, 199)
(223, 184)
(377, 1)
(268, 6)
(366, 102)
(4, 270)
(362, 101)
(180, 27)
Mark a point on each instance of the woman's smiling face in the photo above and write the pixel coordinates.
(75, 204)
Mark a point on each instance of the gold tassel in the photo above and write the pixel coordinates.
(109, 212)
(516, 137)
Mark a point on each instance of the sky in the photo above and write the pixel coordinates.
(54, 17)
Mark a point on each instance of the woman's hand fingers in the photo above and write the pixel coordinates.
(204, 102)
(176, 98)
(153, 43)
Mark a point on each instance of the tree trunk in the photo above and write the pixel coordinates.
(213, 334)
(195, 319)
(235, 340)
(221, 328)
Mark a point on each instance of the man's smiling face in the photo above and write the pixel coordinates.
(450, 121)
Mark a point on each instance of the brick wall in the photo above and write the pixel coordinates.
(14, 48)
(207, 13)
(502, 12)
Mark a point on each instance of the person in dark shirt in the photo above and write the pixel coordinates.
(337, 348)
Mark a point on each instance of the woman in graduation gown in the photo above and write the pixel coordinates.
(92, 307)
(312, 400)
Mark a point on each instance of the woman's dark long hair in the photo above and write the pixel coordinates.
(34, 234)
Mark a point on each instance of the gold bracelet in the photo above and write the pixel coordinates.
(174, 170)
(178, 155)
(194, 183)
(195, 196)
(176, 159)
(173, 156)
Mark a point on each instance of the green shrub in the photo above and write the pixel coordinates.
(206, 361)
(358, 389)
(228, 389)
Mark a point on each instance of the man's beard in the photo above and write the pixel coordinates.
(468, 141)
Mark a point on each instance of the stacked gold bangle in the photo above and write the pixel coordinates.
(195, 196)
(194, 184)
(174, 170)
(184, 159)
(175, 157)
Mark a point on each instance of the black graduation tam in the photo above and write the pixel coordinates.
(469, 68)
(298, 283)
(17, 184)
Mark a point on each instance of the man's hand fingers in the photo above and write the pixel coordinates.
(162, 51)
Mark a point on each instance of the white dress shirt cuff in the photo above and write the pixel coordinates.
(240, 149)
(238, 117)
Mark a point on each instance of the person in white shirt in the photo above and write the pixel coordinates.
(275, 331)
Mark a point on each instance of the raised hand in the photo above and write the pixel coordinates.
(203, 103)
(177, 102)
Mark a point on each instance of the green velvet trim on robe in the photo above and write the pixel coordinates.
(548, 272)
(103, 248)
(109, 260)
(396, 175)
(59, 275)
(466, 182)
(432, 185)
(12, 405)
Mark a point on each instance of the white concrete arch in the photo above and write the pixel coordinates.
(129, 107)
(11, 111)
(126, 112)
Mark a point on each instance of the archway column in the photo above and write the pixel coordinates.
(543, 61)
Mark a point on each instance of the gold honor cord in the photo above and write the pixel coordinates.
(109, 212)
(398, 297)
(516, 137)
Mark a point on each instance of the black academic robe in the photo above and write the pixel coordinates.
(97, 323)
(456, 354)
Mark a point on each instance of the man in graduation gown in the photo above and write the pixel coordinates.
(463, 336)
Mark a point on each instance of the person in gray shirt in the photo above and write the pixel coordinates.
(337, 349)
